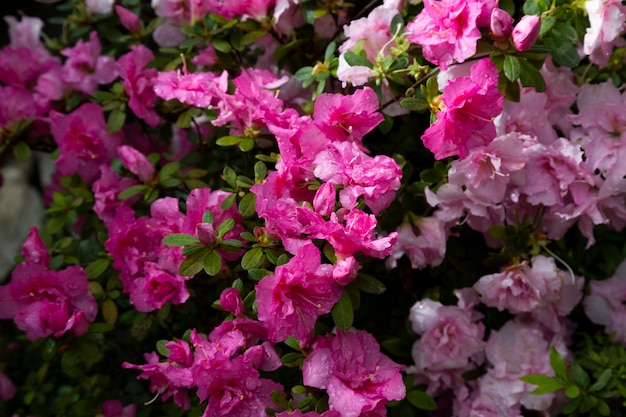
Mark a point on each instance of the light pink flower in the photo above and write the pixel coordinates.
(85, 68)
(99, 6)
(605, 303)
(466, 121)
(26, 33)
(451, 342)
(357, 376)
(372, 32)
(447, 30)
(200, 89)
(606, 25)
(424, 244)
(129, 20)
(501, 24)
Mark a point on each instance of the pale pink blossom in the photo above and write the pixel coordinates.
(526, 32)
(424, 243)
(99, 6)
(606, 25)
(26, 33)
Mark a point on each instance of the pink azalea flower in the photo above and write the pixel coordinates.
(137, 163)
(7, 388)
(44, 302)
(451, 342)
(200, 89)
(99, 6)
(105, 191)
(470, 104)
(426, 247)
(84, 141)
(26, 33)
(291, 300)
(85, 68)
(138, 80)
(34, 250)
(447, 30)
(606, 25)
(156, 287)
(357, 376)
(16, 104)
(230, 300)
(22, 66)
(526, 32)
(373, 32)
(114, 408)
(605, 303)
(129, 20)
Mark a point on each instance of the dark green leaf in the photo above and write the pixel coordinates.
(109, 311)
(192, 264)
(531, 77)
(168, 170)
(221, 45)
(581, 377)
(213, 263)
(253, 258)
(415, 104)
(160, 347)
(512, 67)
(132, 191)
(602, 380)
(97, 267)
(357, 60)
(258, 274)
(397, 24)
(116, 120)
(343, 313)
(369, 284)
(421, 400)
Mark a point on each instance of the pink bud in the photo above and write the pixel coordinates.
(346, 270)
(526, 32)
(136, 162)
(206, 233)
(324, 200)
(231, 301)
(34, 250)
(129, 19)
(501, 24)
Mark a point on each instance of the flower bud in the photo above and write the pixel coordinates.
(129, 19)
(136, 162)
(526, 32)
(501, 24)
(230, 300)
(206, 233)
(324, 200)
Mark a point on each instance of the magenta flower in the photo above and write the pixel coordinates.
(85, 68)
(105, 192)
(447, 30)
(7, 388)
(138, 80)
(466, 121)
(84, 141)
(357, 376)
(129, 20)
(291, 300)
(230, 300)
(44, 302)
(114, 408)
(137, 163)
(200, 89)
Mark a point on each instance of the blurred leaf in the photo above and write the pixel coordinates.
(421, 400)
(109, 311)
(160, 347)
(180, 239)
(343, 313)
(116, 120)
(357, 60)
(369, 284)
(545, 384)
(22, 151)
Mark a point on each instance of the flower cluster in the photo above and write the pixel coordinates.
(247, 199)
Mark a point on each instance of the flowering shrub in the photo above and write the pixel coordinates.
(315, 208)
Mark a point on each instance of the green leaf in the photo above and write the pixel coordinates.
(250, 37)
(213, 263)
(192, 264)
(258, 274)
(160, 347)
(353, 60)
(603, 408)
(116, 120)
(228, 140)
(109, 311)
(330, 50)
(221, 45)
(292, 358)
(603, 379)
(343, 313)
(421, 400)
(369, 284)
(49, 349)
(70, 363)
(132, 191)
(230, 176)
(397, 24)
(415, 104)
(180, 239)
(168, 170)
(304, 73)
(225, 227)
(572, 391)
(563, 54)
(246, 144)
(253, 258)
(531, 77)
(293, 343)
(22, 151)
(512, 67)
(545, 384)
(97, 267)
(247, 205)
(581, 377)
(557, 362)
(141, 326)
